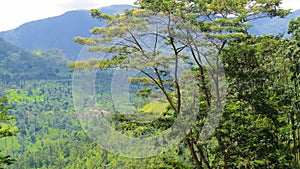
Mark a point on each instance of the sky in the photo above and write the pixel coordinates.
(13, 13)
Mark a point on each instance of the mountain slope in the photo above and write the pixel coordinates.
(18, 64)
(57, 32)
(273, 26)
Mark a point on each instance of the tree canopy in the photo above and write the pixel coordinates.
(254, 106)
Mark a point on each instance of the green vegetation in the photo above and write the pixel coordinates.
(259, 126)
(7, 129)
(259, 122)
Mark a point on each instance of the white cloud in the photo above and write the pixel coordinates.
(79, 4)
(291, 4)
(84, 4)
(16, 12)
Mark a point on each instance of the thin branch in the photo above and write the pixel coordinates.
(160, 84)
(176, 64)
(194, 155)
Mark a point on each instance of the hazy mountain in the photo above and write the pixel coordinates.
(57, 32)
(273, 26)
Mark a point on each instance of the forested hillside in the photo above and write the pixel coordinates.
(172, 84)
(19, 64)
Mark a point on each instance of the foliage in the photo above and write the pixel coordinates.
(7, 129)
(160, 33)
(290, 50)
(259, 127)
(19, 64)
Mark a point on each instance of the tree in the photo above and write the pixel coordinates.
(290, 50)
(201, 32)
(6, 130)
(261, 104)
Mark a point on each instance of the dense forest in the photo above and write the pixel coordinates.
(167, 84)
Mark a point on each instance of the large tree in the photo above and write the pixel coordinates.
(161, 34)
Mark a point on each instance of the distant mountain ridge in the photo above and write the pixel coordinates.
(58, 32)
(273, 26)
